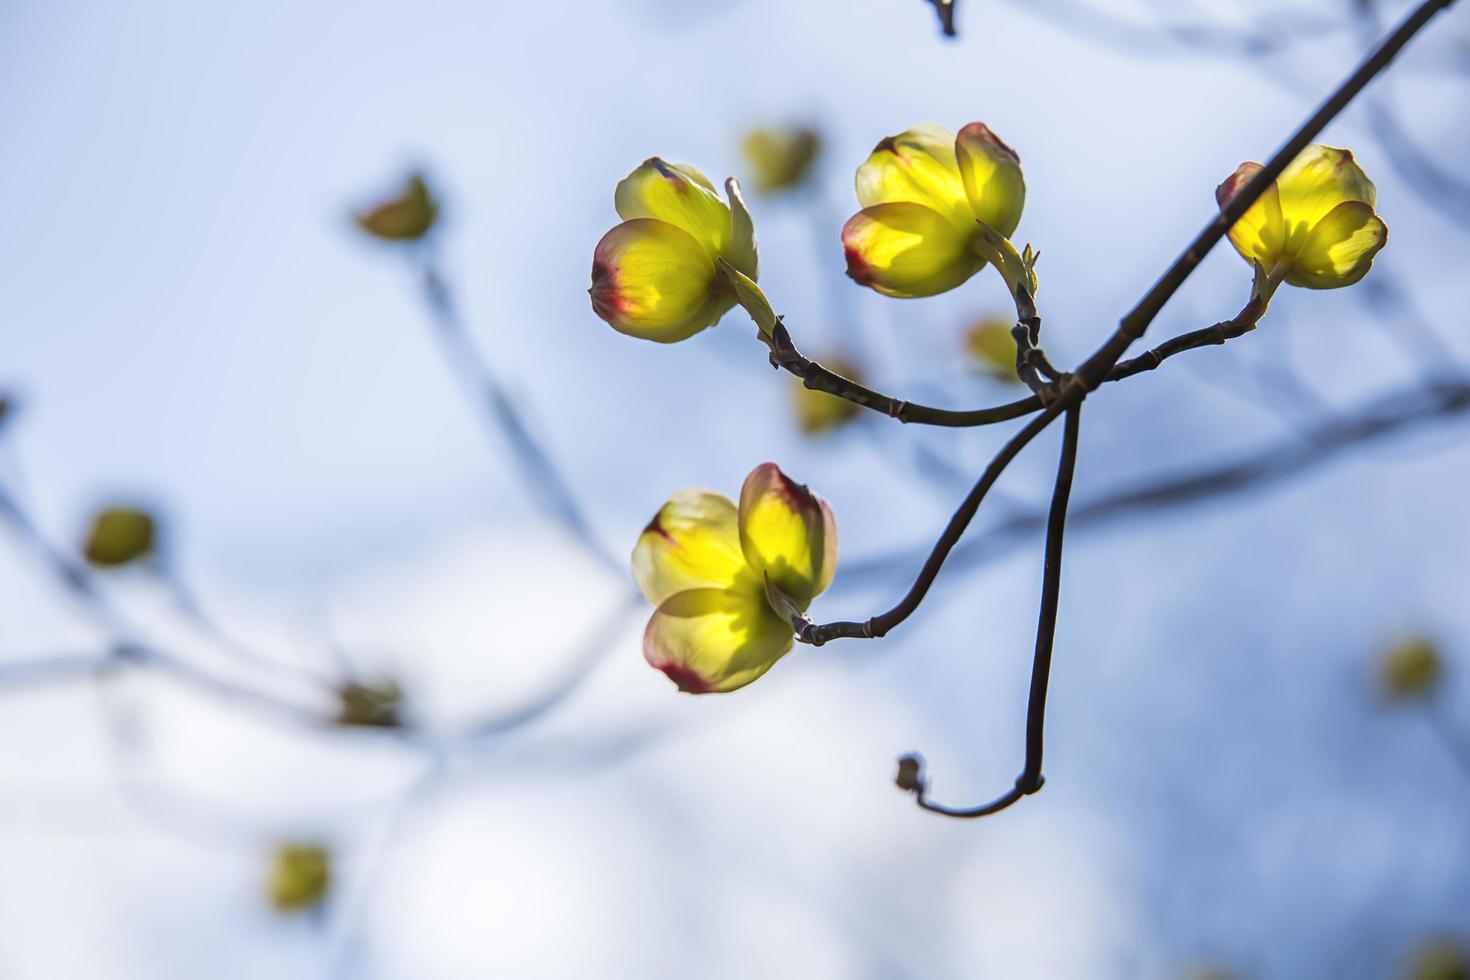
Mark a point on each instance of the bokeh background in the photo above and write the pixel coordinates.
(192, 322)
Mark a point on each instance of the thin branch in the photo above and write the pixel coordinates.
(1396, 412)
(1031, 779)
(817, 635)
(785, 355)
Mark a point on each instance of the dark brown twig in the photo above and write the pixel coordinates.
(1031, 778)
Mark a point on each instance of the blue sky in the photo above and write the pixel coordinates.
(191, 319)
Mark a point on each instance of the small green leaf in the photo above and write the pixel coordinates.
(749, 295)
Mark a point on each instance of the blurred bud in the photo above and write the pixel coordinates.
(780, 157)
(1440, 959)
(407, 217)
(910, 776)
(1411, 669)
(300, 877)
(817, 411)
(7, 406)
(119, 535)
(992, 348)
(377, 705)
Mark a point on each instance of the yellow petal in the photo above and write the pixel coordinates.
(907, 250)
(680, 195)
(715, 640)
(917, 166)
(991, 173)
(652, 280)
(1340, 249)
(1318, 180)
(787, 533)
(1260, 234)
(692, 542)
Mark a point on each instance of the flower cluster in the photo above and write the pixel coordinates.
(729, 582)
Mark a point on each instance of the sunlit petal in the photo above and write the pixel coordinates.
(1260, 234)
(1318, 180)
(991, 173)
(1340, 249)
(918, 166)
(715, 640)
(692, 542)
(652, 280)
(680, 195)
(907, 250)
(787, 533)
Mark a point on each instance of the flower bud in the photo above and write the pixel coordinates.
(712, 568)
(1314, 227)
(925, 194)
(300, 877)
(404, 218)
(780, 158)
(657, 275)
(119, 536)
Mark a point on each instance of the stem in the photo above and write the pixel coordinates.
(1031, 779)
(546, 482)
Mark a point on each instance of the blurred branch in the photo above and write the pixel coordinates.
(543, 479)
(1391, 414)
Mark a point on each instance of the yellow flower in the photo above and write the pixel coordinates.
(1314, 227)
(924, 193)
(718, 573)
(657, 275)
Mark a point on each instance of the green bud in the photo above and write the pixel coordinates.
(780, 157)
(300, 876)
(1411, 669)
(120, 535)
(376, 705)
(407, 217)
